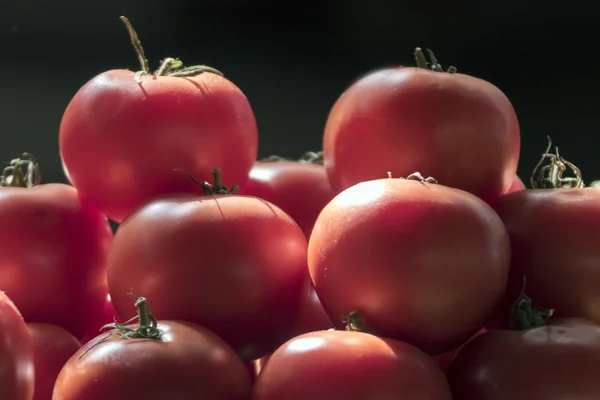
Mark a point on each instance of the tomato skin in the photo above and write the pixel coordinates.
(404, 120)
(52, 348)
(445, 360)
(300, 189)
(120, 141)
(381, 247)
(16, 353)
(106, 316)
(557, 361)
(53, 255)
(516, 185)
(554, 239)
(312, 317)
(234, 264)
(349, 365)
(188, 362)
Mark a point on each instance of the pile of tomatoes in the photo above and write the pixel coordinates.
(382, 267)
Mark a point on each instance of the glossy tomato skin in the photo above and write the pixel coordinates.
(445, 360)
(411, 258)
(555, 362)
(554, 239)
(106, 316)
(404, 120)
(120, 141)
(16, 354)
(300, 189)
(234, 264)
(188, 362)
(312, 316)
(53, 255)
(349, 365)
(517, 184)
(52, 348)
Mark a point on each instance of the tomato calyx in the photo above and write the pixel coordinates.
(21, 172)
(168, 67)
(214, 188)
(310, 157)
(551, 176)
(524, 316)
(355, 323)
(416, 176)
(433, 64)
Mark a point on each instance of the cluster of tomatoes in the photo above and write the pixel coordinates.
(382, 267)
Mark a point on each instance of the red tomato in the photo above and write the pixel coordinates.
(234, 264)
(300, 189)
(555, 243)
(517, 184)
(53, 254)
(349, 365)
(414, 119)
(106, 316)
(312, 317)
(411, 257)
(16, 354)
(52, 348)
(558, 361)
(168, 360)
(444, 360)
(120, 140)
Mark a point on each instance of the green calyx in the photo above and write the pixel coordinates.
(21, 172)
(524, 316)
(432, 64)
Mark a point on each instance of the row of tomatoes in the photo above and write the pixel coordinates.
(235, 258)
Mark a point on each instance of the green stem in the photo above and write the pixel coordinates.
(21, 172)
(524, 316)
(354, 323)
(214, 188)
(433, 64)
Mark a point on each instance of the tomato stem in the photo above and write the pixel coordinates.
(524, 316)
(551, 176)
(168, 67)
(21, 172)
(354, 323)
(433, 64)
(210, 189)
(310, 157)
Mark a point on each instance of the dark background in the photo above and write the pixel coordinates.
(293, 59)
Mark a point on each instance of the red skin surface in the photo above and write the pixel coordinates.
(120, 141)
(52, 348)
(106, 316)
(349, 365)
(404, 120)
(555, 244)
(312, 317)
(188, 362)
(234, 264)
(555, 362)
(410, 257)
(445, 360)
(300, 189)
(16, 354)
(53, 255)
(516, 185)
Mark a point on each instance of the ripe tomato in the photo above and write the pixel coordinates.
(52, 348)
(557, 361)
(301, 189)
(120, 140)
(54, 250)
(410, 257)
(16, 354)
(234, 264)
(312, 317)
(554, 240)
(106, 316)
(517, 184)
(349, 365)
(444, 360)
(164, 360)
(416, 119)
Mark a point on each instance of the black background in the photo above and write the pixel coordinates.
(293, 59)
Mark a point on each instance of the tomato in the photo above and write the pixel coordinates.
(16, 353)
(554, 239)
(312, 317)
(106, 316)
(164, 360)
(349, 365)
(557, 361)
(411, 257)
(444, 360)
(120, 140)
(54, 250)
(234, 264)
(517, 184)
(52, 348)
(301, 189)
(416, 119)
